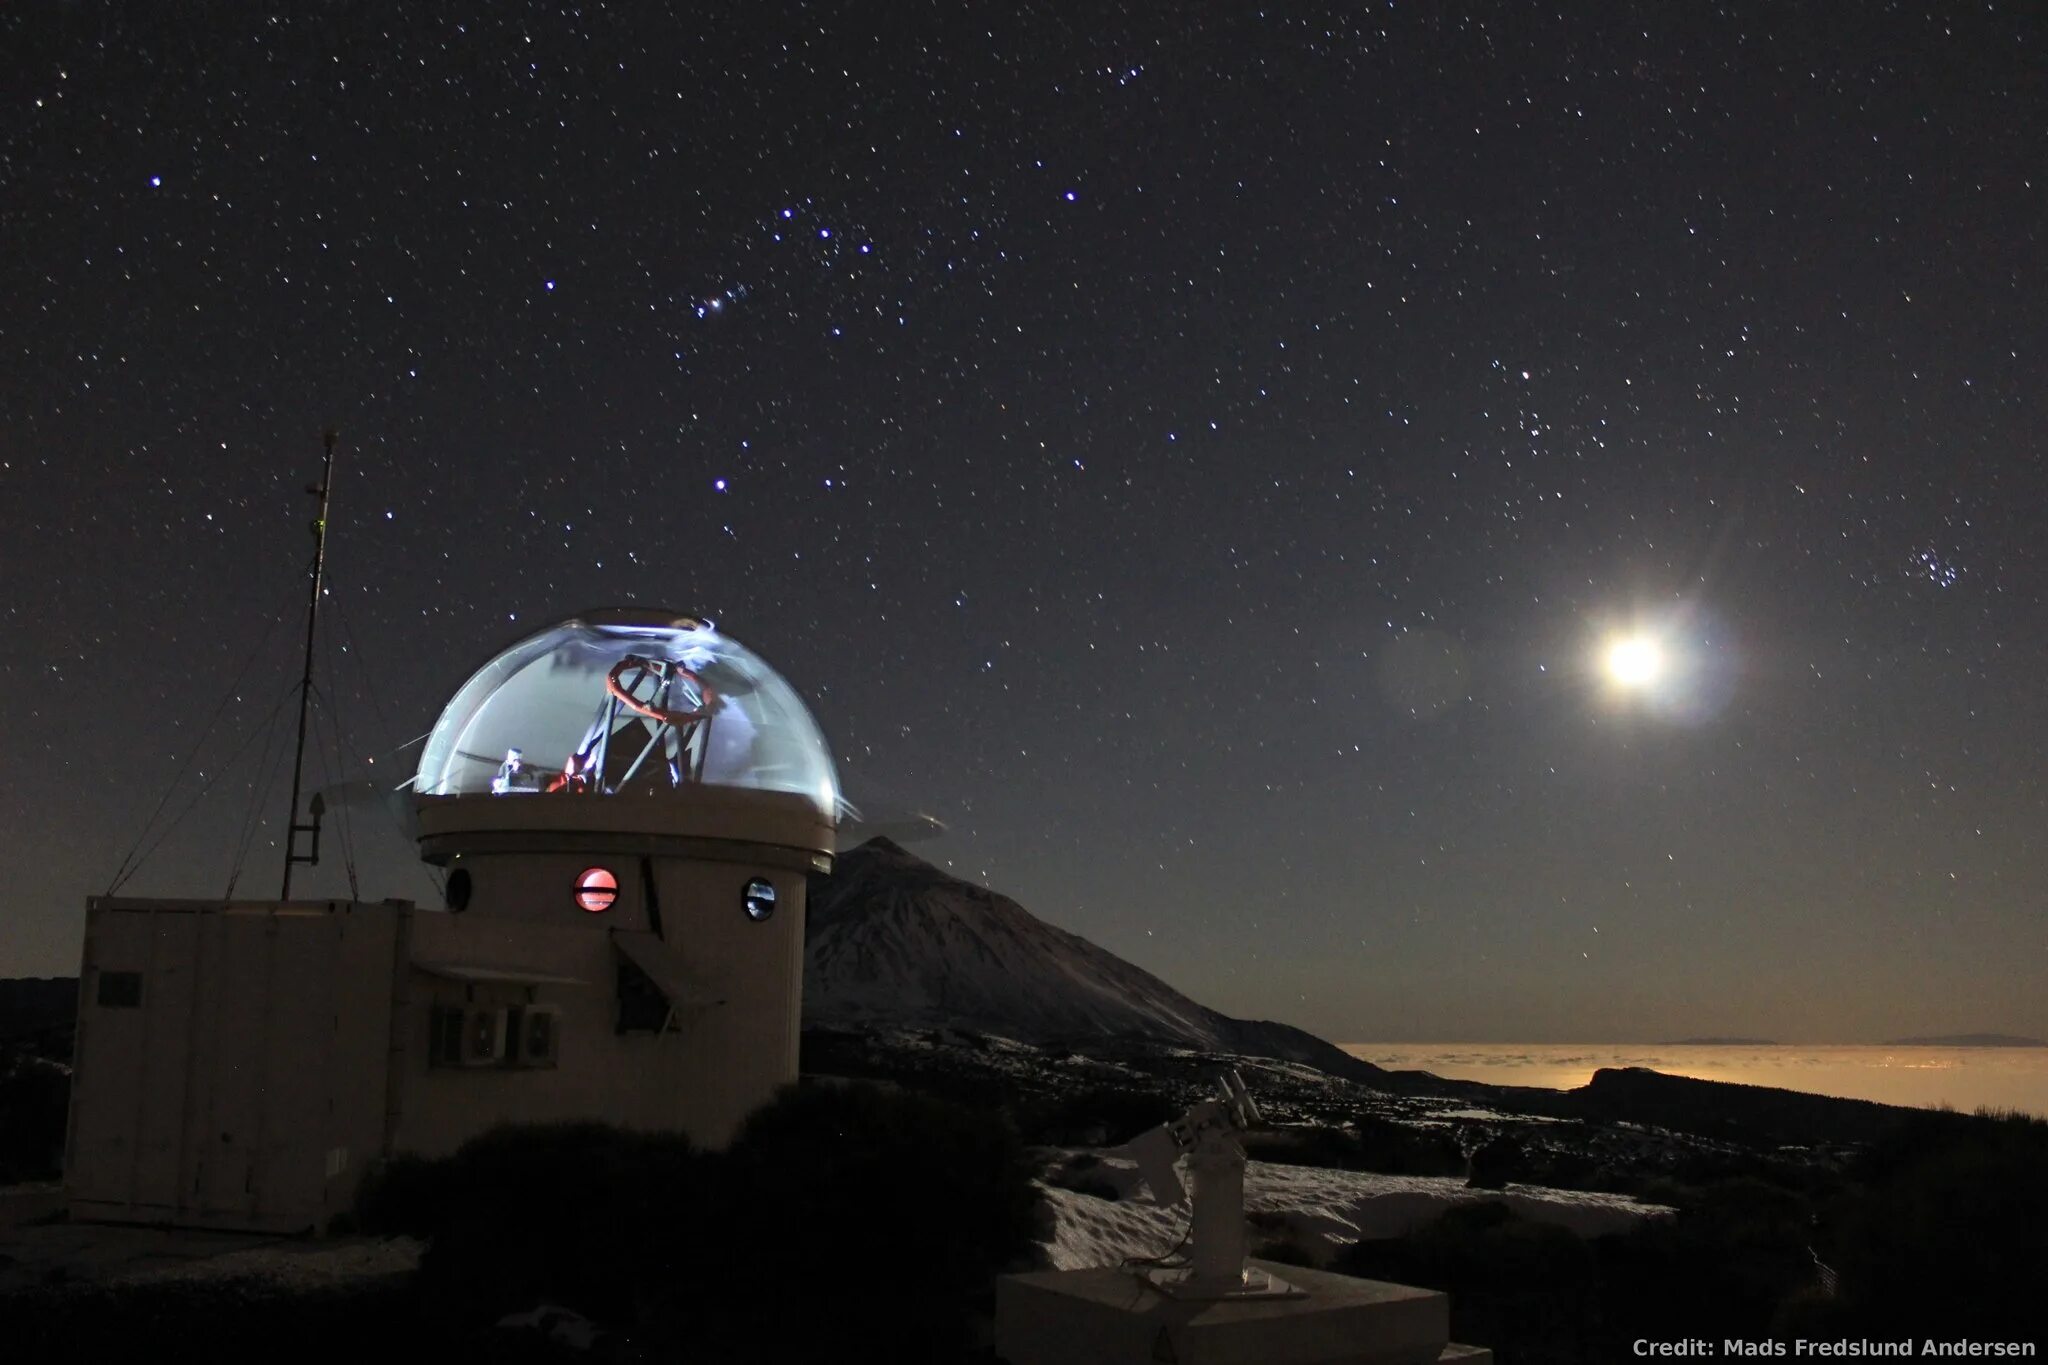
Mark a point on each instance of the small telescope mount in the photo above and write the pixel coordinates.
(1207, 1135)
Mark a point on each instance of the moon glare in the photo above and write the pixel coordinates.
(1634, 661)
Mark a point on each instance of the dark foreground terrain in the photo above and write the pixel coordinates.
(1797, 1215)
(961, 1055)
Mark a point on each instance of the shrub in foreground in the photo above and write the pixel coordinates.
(1528, 1288)
(34, 1096)
(579, 1213)
(1949, 1229)
(893, 1212)
(885, 1215)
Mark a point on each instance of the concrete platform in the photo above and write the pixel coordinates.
(1109, 1317)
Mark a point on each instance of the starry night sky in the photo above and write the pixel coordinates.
(1198, 452)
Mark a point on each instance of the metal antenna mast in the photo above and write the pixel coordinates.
(325, 492)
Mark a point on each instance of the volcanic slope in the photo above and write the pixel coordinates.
(894, 942)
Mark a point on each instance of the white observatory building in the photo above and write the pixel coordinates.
(626, 806)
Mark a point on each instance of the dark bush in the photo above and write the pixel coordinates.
(402, 1197)
(35, 1094)
(1392, 1148)
(1950, 1230)
(1530, 1289)
(892, 1211)
(886, 1215)
(1497, 1162)
(1560, 1169)
(1734, 1262)
(581, 1214)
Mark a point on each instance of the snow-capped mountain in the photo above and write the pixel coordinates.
(894, 941)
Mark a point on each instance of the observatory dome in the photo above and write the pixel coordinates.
(626, 701)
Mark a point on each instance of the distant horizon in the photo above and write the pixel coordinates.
(2034, 1041)
(1703, 1040)
(1690, 1040)
(1921, 1075)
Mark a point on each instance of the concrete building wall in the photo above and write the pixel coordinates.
(540, 888)
(719, 1061)
(441, 1106)
(740, 1052)
(230, 1066)
(243, 1065)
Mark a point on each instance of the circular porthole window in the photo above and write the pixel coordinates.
(456, 894)
(758, 899)
(596, 889)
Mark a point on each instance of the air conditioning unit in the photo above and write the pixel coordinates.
(484, 1037)
(540, 1036)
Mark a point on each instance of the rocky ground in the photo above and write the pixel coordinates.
(54, 1255)
(1407, 1123)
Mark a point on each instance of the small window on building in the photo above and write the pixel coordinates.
(597, 889)
(120, 990)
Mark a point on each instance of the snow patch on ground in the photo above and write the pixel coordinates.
(1322, 1210)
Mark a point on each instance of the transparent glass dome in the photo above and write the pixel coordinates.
(626, 701)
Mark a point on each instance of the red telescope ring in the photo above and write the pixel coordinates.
(706, 698)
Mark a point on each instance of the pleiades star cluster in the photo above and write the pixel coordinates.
(1202, 453)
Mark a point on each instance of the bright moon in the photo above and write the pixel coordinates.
(1635, 661)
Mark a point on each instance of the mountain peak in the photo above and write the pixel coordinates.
(882, 846)
(892, 941)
